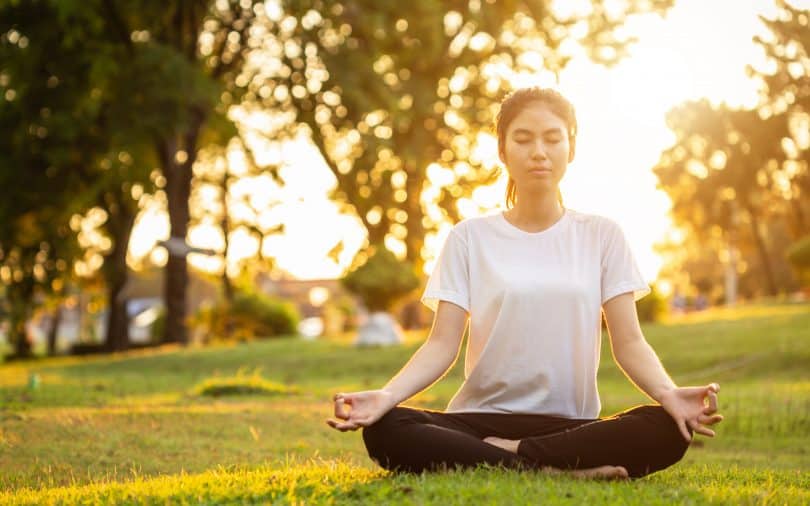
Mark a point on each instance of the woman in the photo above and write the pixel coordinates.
(533, 281)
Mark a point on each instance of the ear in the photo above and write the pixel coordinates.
(502, 156)
(572, 149)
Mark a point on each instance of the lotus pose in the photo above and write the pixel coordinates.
(533, 282)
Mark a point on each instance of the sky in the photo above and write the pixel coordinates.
(700, 49)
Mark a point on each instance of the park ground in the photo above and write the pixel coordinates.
(133, 428)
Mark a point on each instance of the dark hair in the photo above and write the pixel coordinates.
(513, 103)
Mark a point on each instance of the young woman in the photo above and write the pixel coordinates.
(533, 281)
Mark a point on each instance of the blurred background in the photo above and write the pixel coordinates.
(199, 171)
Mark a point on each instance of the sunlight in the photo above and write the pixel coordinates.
(700, 49)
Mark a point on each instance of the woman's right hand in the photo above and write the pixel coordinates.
(366, 408)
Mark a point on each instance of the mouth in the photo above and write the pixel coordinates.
(540, 172)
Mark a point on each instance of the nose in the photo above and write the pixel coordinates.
(538, 151)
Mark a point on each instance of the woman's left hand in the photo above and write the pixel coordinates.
(688, 407)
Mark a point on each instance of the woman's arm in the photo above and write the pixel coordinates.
(434, 357)
(642, 366)
(632, 352)
(425, 367)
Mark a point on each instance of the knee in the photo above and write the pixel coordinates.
(377, 436)
(672, 445)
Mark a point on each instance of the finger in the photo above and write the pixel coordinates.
(347, 398)
(684, 431)
(712, 403)
(342, 426)
(364, 422)
(691, 391)
(715, 387)
(340, 409)
(707, 410)
(705, 431)
(709, 420)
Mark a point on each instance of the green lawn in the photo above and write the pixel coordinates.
(129, 428)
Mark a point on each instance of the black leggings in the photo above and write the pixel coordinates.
(643, 440)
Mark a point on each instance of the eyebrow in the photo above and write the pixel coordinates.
(529, 132)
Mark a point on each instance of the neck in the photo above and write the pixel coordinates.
(536, 211)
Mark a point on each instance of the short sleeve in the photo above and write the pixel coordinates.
(450, 279)
(620, 272)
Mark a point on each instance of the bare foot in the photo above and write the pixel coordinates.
(594, 473)
(509, 445)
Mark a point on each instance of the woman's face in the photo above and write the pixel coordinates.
(536, 149)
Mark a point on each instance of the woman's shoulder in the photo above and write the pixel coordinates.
(592, 219)
(465, 225)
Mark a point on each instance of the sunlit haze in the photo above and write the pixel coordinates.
(699, 50)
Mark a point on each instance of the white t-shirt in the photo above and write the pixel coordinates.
(535, 301)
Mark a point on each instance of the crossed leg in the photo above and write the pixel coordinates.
(640, 440)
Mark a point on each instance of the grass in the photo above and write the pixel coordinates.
(241, 384)
(132, 428)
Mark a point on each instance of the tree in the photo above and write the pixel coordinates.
(166, 74)
(719, 175)
(47, 116)
(785, 91)
(79, 91)
(394, 94)
(738, 179)
(238, 209)
(203, 46)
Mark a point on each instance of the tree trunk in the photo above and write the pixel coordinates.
(117, 338)
(800, 228)
(20, 312)
(53, 332)
(227, 286)
(119, 224)
(415, 239)
(178, 173)
(763, 253)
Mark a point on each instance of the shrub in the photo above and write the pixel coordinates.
(250, 315)
(241, 384)
(798, 254)
(382, 280)
(158, 326)
(652, 307)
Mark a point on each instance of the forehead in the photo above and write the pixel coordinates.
(536, 117)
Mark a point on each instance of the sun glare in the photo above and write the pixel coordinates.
(699, 49)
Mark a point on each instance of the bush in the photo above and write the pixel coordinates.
(652, 307)
(158, 326)
(382, 280)
(241, 384)
(251, 315)
(798, 254)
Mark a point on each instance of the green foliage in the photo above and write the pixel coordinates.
(799, 253)
(382, 280)
(241, 384)
(652, 307)
(94, 97)
(158, 326)
(251, 315)
(799, 256)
